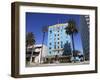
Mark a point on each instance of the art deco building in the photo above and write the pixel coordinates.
(57, 38)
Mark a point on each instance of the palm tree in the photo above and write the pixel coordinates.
(30, 40)
(67, 49)
(71, 30)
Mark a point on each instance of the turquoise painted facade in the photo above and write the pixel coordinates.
(57, 38)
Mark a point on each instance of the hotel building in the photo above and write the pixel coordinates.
(57, 38)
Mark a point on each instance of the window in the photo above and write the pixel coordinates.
(61, 44)
(50, 31)
(58, 42)
(49, 47)
(50, 52)
(58, 38)
(54, 46)
(58, 47)
(50, 43)
(58, 51)
(58, 34)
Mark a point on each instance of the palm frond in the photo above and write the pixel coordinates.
(71, 28)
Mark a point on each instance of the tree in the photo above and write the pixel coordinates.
(30, 39)
(67, 49)
(71, 30)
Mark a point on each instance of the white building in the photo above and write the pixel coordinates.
(42, 52)
(38, 53)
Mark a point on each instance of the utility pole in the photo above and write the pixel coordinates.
(44, 29)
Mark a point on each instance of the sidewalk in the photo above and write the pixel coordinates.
(56, 64)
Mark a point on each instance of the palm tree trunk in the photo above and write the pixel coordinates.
(73, 45)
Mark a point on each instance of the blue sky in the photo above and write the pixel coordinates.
(35, 22)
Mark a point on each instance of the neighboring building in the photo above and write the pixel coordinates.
(37, 53)
(84, 33)
(57, 38)
(87, 18)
